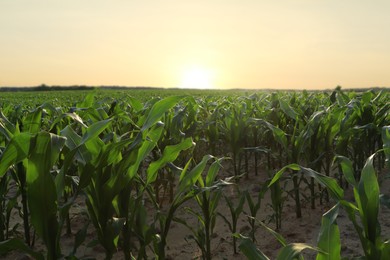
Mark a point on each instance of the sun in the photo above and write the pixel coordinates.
(197, 77)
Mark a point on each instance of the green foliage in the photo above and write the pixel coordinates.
(329, 236)
(41, 190)
(367, 198)
(235, 212)
(121, 149)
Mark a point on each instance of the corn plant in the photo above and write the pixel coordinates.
(210, 112)
(235, 212)
(31, 169)
(328, 246)
(39, 153)
(185, 191)
(115, 152)
(207, 200)
(30, 124)
(277, 201)
(254, 207)
(367, 198)
(133, 209)
(235, 128)
(328, 182)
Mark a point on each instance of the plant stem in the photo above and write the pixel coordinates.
(22, 180)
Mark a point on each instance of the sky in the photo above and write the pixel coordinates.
(285, 44)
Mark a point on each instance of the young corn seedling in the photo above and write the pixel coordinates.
(254, 207)
(235, 128)
(277, 201)
(208, 201)
(185, 191)
(329, 237)
(235, 212)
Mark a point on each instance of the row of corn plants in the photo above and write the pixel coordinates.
(118, 154)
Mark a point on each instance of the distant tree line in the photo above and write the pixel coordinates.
(44, 87)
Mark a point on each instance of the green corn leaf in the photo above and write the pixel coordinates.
(278, 236)
(89, 145)
(146, 147)
(347, 168)
(351, 210)
(331, 184)
(86, 173)
(279, 174)
(159, 109)
(278, 133)
(95, 129)
(249, 249)
(16, 151)
(385, 250)
(369, 199)
(88, 100)
(6, 127)
(287, 109)
(135, 104)
(91, 149)
(74, 116)
(32, 122)
(5, 132)
(329, 236)
(213, 171)
(111, 153)
(42, 195)
(73, 140)
(60, 178)
(189, 179)
(170, 154)
(99, 114)
(59, 182)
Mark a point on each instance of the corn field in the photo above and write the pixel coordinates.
(138, 158)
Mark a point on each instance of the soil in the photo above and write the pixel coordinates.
(302, 230)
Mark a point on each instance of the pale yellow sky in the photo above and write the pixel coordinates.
(217, 43)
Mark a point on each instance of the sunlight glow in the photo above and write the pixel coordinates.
(197, 77)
